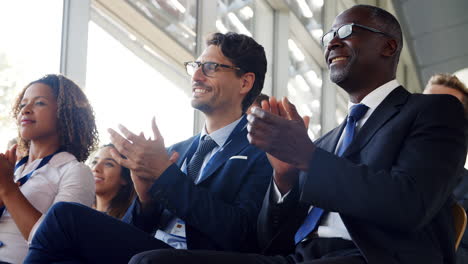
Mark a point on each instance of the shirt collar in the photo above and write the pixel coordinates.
(221, 135)
(374, 98)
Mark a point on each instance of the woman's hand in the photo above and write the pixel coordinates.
(7, 166)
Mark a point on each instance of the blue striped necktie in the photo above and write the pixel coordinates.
(206, 145)
(313, 218)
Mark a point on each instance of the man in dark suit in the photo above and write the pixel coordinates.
(209, 198)
(377, 188)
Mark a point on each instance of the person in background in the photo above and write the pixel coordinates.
(57, 132)
(450, 84)
(114, 186)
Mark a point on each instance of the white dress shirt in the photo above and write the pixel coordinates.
(62, 179)
(332, 225)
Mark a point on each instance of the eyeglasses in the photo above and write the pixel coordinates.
(345, 31)
(208, 68)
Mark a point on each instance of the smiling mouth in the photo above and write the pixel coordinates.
(338, 59)
(98, 179)
(200, 90)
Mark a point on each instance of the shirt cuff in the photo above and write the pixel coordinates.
(277, 194)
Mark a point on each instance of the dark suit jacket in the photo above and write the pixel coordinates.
(220, 212)
(392, 187)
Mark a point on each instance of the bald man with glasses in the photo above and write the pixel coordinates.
(206, 195)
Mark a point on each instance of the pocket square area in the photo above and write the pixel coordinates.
(238, 157)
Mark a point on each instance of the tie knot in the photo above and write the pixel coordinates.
(207, 144)
(358, 111)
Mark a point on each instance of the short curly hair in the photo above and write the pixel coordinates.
(75, 117)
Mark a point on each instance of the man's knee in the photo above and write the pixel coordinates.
(68, 207)
(160, 256)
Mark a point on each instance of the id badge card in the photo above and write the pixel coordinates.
(178, 229)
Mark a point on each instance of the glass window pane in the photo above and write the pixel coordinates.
(29, 49)
(124, 89)
(305, 86)
(178, 18)
(310, 13)
(236, 16)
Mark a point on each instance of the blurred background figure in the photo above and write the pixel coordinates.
(114, 186)
(450, 84)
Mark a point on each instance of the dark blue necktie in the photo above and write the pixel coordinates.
(313, 218)
(204, 147)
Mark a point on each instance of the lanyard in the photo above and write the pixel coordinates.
(26, 177)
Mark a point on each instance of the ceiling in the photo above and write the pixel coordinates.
(436, 33)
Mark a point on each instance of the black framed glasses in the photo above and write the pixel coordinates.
(345, 31)
(208, 68)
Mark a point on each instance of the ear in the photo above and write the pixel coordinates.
(390, 48)
(247, 81)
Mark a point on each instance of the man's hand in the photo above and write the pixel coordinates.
(278, 129)
(143, 185)
(146, 158)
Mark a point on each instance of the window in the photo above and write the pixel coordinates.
(178, 18)
(305, 85)
(236, 16)
(124, 89)
(30, 49)
(310, 13)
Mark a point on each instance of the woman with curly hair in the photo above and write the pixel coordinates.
(57, 132)
(114, 186)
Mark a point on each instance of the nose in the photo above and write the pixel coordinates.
(96, 167)
(334, 42)
(26, 109)
(198, 75)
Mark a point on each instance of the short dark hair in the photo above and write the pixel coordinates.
(387, 23)
(245, 53)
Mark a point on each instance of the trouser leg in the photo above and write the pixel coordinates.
(73, 232)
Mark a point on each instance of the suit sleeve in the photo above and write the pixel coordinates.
(228, 224)
(279, 221)
(147, 220)
(408, 195)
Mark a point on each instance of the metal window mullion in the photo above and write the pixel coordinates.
(74, 44)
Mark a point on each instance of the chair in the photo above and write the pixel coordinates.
(459, 217)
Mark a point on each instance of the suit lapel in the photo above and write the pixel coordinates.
(389, 107)
(235, 143)
(188, 151)
(329, 141)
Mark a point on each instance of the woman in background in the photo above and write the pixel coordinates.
(57, 132)
(114, 186)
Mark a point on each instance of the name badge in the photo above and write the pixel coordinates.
(178, 229)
